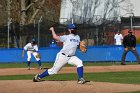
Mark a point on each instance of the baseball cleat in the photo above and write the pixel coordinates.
(81, 81)
(123, 64)
(28, 68)
(40, 67)
(36, 78)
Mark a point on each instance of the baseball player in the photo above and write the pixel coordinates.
(66, 54)
(118, 38)
(32, 49)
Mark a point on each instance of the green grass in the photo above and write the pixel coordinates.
(132, 77)
(23, 65)
(130, 92)
(44, 64)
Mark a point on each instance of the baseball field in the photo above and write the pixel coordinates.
(104, 77)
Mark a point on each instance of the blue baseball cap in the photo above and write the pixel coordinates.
(33, 41)
(71, 26)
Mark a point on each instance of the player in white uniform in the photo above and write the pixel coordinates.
(32, 49)
(66, 54)
(118, 38)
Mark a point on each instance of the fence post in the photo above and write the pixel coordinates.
(8, 36)
(40, 20)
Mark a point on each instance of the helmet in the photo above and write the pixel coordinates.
(71, 26)
(33, 41)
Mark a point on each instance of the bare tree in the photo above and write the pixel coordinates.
(112, 9)
(106, 7)
(52, 10)
(36, 11)
(85, 9)
(23, 12)
(96, 4)
(3, 12)
(77, 6)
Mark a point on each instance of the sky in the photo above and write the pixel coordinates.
(136, 4)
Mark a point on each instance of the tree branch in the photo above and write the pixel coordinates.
(36, 12)
(31, 5)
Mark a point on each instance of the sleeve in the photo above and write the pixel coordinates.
(134, 43)
(26, 47)
(124, 42)
(63, 38)
(121, 36)
(36, 48)
(115, 37)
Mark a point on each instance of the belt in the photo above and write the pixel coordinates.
(66, 55)
(31, 50)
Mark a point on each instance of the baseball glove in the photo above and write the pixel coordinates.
(83, 46)
(38, 55)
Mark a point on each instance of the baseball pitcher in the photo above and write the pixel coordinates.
(66, 54)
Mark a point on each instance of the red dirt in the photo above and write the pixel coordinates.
(89, 69)
(27, 86)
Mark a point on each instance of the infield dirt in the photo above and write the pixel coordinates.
(27, 86)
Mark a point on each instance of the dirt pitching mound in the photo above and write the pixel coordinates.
(27, 86)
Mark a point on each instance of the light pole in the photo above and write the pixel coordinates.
(97, 22)
(131, 20)
(40, 20)
(72, 21)
(131, 15)
(9, 27)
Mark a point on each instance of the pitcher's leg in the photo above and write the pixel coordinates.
(80, 72)
(59, 63)
(79, 64)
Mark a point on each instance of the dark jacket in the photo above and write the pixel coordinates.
(129, 41)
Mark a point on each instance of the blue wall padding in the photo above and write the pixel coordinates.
(94, 54)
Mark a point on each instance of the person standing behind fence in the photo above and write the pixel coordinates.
(129, 43)
(32, 49)
(118, 38)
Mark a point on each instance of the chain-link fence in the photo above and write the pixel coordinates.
(17, 36)
(98, 35)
